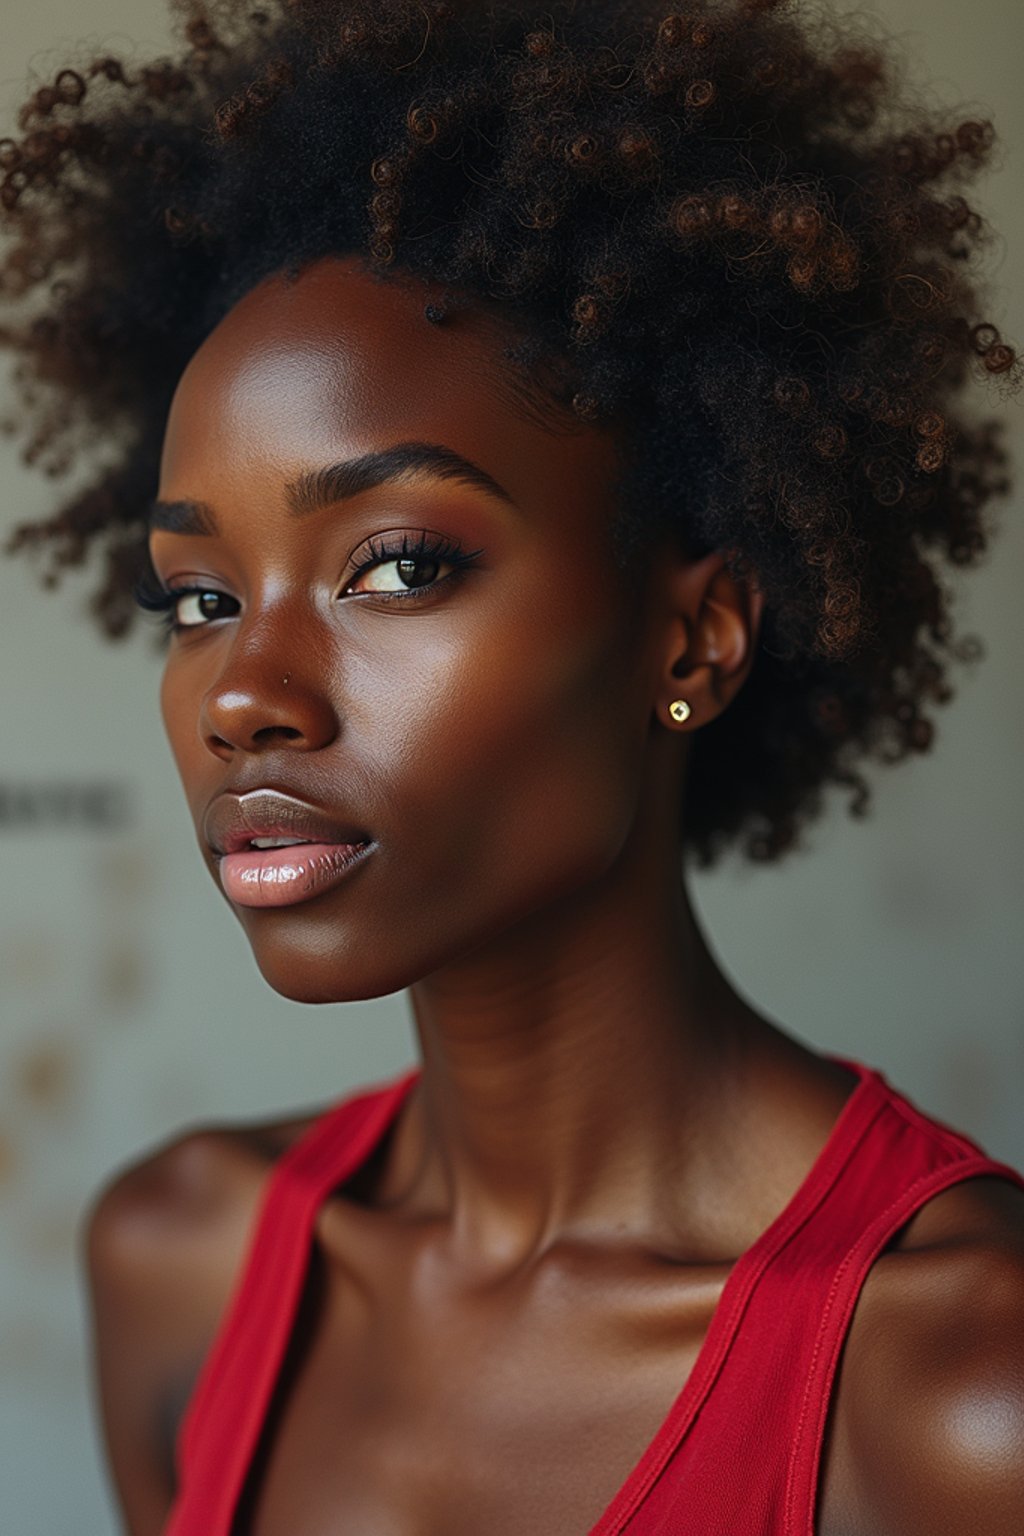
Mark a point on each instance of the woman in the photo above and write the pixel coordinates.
(555, 423)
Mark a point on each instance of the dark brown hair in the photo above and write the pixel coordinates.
(742, 232)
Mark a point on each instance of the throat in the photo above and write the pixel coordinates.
(606, 1146)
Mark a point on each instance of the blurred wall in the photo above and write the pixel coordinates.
(130, 1002)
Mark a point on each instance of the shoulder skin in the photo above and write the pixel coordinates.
(927, 1435)
(165, 1241)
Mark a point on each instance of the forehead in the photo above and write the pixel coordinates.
(340, 361)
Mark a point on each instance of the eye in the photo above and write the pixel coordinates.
(185, 607)
(407, 573)
(407, 568)
(193, 606)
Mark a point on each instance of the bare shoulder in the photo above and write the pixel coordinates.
(927, 1437)
(165, 1240)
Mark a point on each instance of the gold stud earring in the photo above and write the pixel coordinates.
(679, 710)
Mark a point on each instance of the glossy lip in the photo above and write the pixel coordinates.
(232, 820)
(285, 877)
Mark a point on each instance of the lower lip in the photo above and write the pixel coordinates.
(281, 877)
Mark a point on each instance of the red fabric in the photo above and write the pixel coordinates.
(738, 1452)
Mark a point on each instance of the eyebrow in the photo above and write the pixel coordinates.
(320, 488)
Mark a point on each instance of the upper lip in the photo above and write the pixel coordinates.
(233, 820)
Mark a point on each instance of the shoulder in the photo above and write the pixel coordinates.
(160, 1213)
(182, 1188)
(165, 1240)
(928, 1430)
(188, 1203)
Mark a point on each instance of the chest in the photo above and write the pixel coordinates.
(408, 1407)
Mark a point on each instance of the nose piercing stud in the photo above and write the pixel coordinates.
(286, 677)
(679, 710)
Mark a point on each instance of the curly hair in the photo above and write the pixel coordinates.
(741, 230)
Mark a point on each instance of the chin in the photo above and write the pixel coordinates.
(314, 963)
(318, 981)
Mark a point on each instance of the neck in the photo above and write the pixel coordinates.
(573, 1069)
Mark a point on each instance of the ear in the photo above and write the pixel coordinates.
(709, 642)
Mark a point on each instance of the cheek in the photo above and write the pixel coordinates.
(179, 713)
(169, 711)
(521, 771)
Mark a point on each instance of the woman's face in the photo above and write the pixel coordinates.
(486, 740)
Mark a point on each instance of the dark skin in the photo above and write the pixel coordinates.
(603, 1125)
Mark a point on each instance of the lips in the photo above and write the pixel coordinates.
(275, 851)
(233, 821)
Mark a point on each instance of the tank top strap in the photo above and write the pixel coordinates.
(931, 1157)
(220, 1429)
(744, 1455)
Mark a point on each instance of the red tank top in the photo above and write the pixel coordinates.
(739, 1450)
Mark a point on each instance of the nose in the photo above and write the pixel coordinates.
(262, 700)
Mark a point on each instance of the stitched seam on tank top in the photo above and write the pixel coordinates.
(308, 1179)
(960, 1144)
(869, 1252)
(789, 1223)
(212, 1368)
(289, 1187)
(287, 1181)
(949, 1138)
(881, 1225)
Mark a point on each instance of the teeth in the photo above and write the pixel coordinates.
(276, 842)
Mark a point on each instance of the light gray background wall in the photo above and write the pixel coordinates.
(130, 1004)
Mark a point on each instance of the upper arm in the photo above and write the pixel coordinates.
(163, 1241)
(932, 1406)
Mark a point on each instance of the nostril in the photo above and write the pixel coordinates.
(289, 732)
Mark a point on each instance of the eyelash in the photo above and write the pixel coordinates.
(153, 597)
